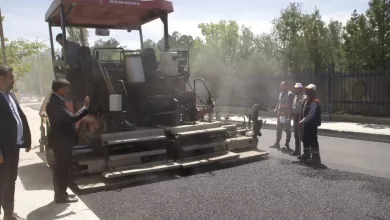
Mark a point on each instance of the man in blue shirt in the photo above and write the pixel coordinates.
(310, 123)
(14, 134)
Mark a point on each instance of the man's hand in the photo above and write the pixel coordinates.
(28, 149)
(300, 123)
(86, 102)
(1, 159)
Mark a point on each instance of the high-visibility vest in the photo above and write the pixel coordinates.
(284, 107)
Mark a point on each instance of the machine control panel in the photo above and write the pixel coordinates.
(174, 63)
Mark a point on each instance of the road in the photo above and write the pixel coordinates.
(356, 185)
(372, 158)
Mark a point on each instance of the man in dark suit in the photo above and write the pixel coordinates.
(14, 134)
(62, 137)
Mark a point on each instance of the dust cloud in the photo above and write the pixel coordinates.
(234, 85)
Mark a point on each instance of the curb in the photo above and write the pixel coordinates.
(325, 116)
(340, 134)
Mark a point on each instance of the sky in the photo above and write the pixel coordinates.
(25, 18)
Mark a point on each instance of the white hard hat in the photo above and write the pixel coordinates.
(312, 87)
(298, 86)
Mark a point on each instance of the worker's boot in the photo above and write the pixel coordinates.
(306, 153)
(315, 158)
(12, 216)
(286, 147)
(276, 146)
(315, 153)
(297, 151)
(304, 156)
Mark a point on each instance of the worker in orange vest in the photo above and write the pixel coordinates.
(310, 123)
(283, 112)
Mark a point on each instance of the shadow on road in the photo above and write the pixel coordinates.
(35, 177)
(50, 211)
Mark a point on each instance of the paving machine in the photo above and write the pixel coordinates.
(143, 117)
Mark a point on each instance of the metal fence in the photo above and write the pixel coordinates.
(358, 93)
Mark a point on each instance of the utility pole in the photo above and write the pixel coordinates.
(2, 40)
(39, 68)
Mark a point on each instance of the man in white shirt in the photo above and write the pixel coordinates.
(14, 134)
(297, 109)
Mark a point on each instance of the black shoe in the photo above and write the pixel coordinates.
(316, 160)
(295, 154)
(12, 216)
(286, 147)
(276, 146)
(66, 200)
(71, 195)
(304, 157)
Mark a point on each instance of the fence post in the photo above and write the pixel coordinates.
(330, 73)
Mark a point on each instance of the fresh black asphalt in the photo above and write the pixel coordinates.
(355, 185)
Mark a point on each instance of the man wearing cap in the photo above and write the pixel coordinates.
(62, 137)
(297, 116)
(283, 113)
(310, 122)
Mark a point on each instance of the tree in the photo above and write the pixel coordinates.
(150, 44)
(78, 35)
(288, 30)
(298, 44)
(18, 49)
(378, 15)
(113, 53)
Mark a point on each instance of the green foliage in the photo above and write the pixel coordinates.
(299, 42)
(78, 35)
(111, 54)
(17, 50)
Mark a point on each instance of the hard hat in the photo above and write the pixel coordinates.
(298, 86)
(283, 84)
(311, 87)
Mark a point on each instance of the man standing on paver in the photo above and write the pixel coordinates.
(62, 138)
(14, 134)
(72, 49)
(310, 122)
(283, 114)
(297, 116)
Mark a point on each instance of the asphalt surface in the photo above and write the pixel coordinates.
(355, 185)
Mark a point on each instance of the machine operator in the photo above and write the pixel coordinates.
(310, 122)
(283, 113)
(72, 49)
